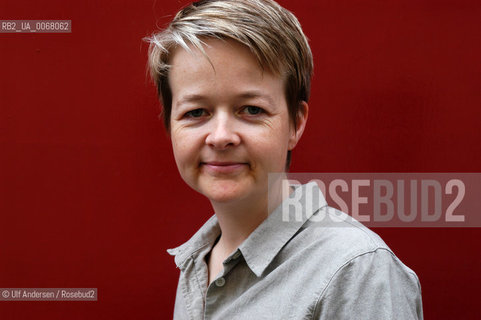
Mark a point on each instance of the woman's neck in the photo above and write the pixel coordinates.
(237, 220)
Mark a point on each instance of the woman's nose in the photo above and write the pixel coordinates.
(222, 133)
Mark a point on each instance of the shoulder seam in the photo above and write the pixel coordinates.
(362, 228)
(321, 294)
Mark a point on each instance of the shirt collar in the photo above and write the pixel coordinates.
(204, 237)
(265, 242)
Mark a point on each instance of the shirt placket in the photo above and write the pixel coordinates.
(216, 288)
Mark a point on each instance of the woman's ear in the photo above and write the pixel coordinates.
(296, 133)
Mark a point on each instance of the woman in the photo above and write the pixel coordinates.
(234, 78)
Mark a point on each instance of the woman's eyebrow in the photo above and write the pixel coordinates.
(254, 94)
(257, 95)
(194, 97)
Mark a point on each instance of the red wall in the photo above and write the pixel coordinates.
(89, 192)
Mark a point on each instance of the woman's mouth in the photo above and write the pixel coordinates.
(219, 168)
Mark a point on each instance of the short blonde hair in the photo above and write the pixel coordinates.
(272, 33)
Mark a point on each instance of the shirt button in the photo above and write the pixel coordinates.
(236, 255)
(220, 282)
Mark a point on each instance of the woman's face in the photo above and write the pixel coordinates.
(229, 124)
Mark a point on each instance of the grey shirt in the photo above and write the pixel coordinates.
(321, 265)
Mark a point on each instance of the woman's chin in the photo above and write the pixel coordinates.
(226, 191)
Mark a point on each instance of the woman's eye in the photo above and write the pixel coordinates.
(195, 113)
(252, 110)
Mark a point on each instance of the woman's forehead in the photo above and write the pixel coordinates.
(224, 65)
